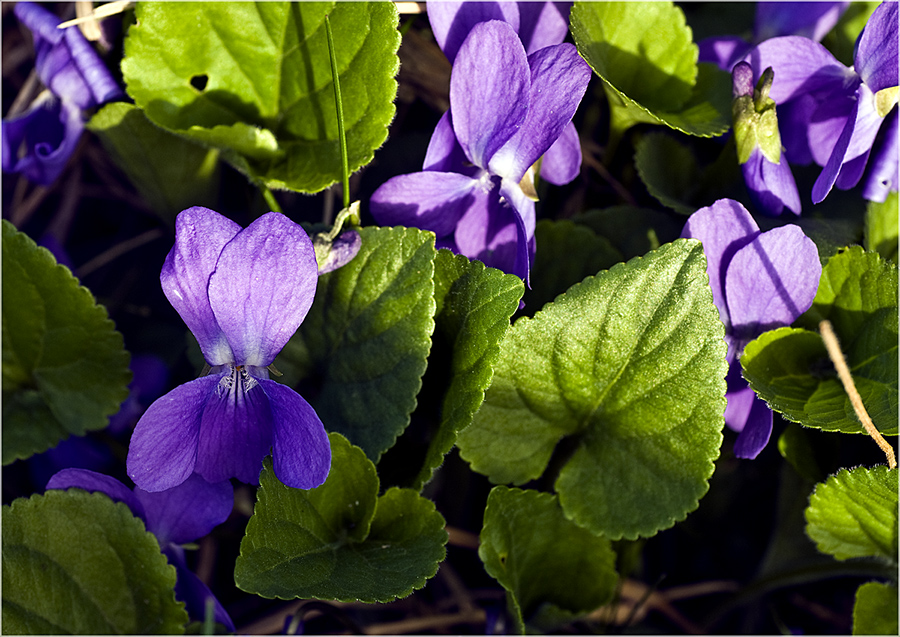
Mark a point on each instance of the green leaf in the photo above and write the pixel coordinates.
(340, 540)
(553, 569)
(364, 344)
(568, 252)
(65, 370)
(474, 304)
(842, 38)
(881, 227)
(808, 451)
(875, 610)
(644, 53)
(673, 176)
(854, 514)
(789, 368)
(627, 370)
(170, 172)
(78, 563)
(632, 231)
(265, 96)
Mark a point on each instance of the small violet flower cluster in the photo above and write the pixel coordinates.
(760, 281)
(830, 114)
(512, 98)
(38, 143)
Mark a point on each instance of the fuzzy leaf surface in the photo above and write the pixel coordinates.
(79, 563)
(626, 370)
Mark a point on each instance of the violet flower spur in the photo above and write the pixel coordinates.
(506, 110)
(76, 78)
(243, 293)
(760, 281)
(539, 25)
(180, 515)
(836, 111)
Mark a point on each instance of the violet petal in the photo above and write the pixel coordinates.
(236, 429)
(188, 511)
(263, 286)
(559, 78)
(98, 482)
(723, 228)
(771, 281)
(756, 432)
(444, 153)
(50, 131)
(543, 24)
(810, 19)
(739, 398)
(525, 226)
(801, 66)
(724, 51)
(885, 164)
(826, 124)
(771, 186)
(489, 90)
(856, 139)
(487, 231)
(562, 161)
(429, 200)
(163, 449)
(191, 590)
(301, 452)
(876, 58)
(200, 236)
(66, 62)
(451, 22)
(343, 249)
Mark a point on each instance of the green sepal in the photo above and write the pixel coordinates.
(854, 514)
(626, 370)
(553, 570)
(340, 540)
(65, 369)
(79, 563)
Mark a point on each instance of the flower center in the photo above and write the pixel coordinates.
(236, 381)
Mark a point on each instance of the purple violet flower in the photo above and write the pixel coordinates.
(766, 171)
(539, 25)
(773, 19)
(506, 110)
(77, 79)
(836, 111)
(760, 281)
(243, 293)
(177, 516)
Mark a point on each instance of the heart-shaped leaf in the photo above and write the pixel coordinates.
(627, 371)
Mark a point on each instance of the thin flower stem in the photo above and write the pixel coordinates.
(840, 364)
(270, 198)
(342, 139)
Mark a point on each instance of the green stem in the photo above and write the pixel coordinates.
(270, 198)
(340, 113)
